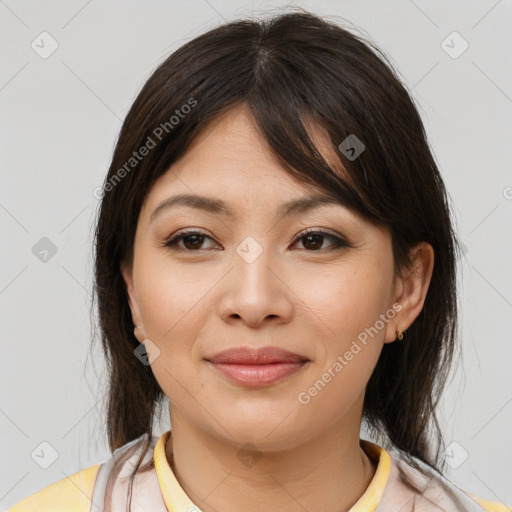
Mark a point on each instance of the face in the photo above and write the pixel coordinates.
(257, 278)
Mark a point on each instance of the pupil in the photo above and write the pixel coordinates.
(196, 237)
(309, 237)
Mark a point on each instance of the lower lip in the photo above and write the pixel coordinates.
(256, 375)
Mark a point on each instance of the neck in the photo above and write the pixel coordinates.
(329, 472)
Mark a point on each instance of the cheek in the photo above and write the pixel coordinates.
(171, 297)
(170, 312)
(175, 303)
(347, 307)
(346, 302)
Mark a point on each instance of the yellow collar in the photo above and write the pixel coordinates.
(371, 498)
(177, 500)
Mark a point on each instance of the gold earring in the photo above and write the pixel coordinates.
(400, 334)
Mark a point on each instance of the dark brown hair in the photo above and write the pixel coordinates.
(291, 68)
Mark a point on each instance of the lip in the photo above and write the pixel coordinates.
(260, 356)
(257, 367)
(258, 375)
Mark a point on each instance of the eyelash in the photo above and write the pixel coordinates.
(339, 243)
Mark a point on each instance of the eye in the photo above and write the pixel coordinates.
(193, 241)
(313, 239)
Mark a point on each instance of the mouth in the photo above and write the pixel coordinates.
(257, 367)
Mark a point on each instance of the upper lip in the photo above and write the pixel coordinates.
(264, 355)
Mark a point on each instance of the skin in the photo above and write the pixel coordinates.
(308, 298)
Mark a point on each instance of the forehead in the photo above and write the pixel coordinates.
(230, 155)
(236, 130)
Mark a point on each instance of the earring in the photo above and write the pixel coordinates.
(400, 334)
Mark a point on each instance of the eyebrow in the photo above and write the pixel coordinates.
(217, 206)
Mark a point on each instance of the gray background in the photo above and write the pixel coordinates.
(60, 117)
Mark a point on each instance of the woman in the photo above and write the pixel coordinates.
(274, 256)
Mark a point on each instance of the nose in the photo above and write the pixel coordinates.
(256, 291)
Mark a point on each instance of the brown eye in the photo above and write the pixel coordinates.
(313, 240)
(192, 241)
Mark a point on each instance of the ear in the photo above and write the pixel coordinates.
(411, 289)
(139, 331)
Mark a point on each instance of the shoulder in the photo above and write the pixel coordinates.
(489, 506)
(412, 483)
(76, 493)
(70, 494)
